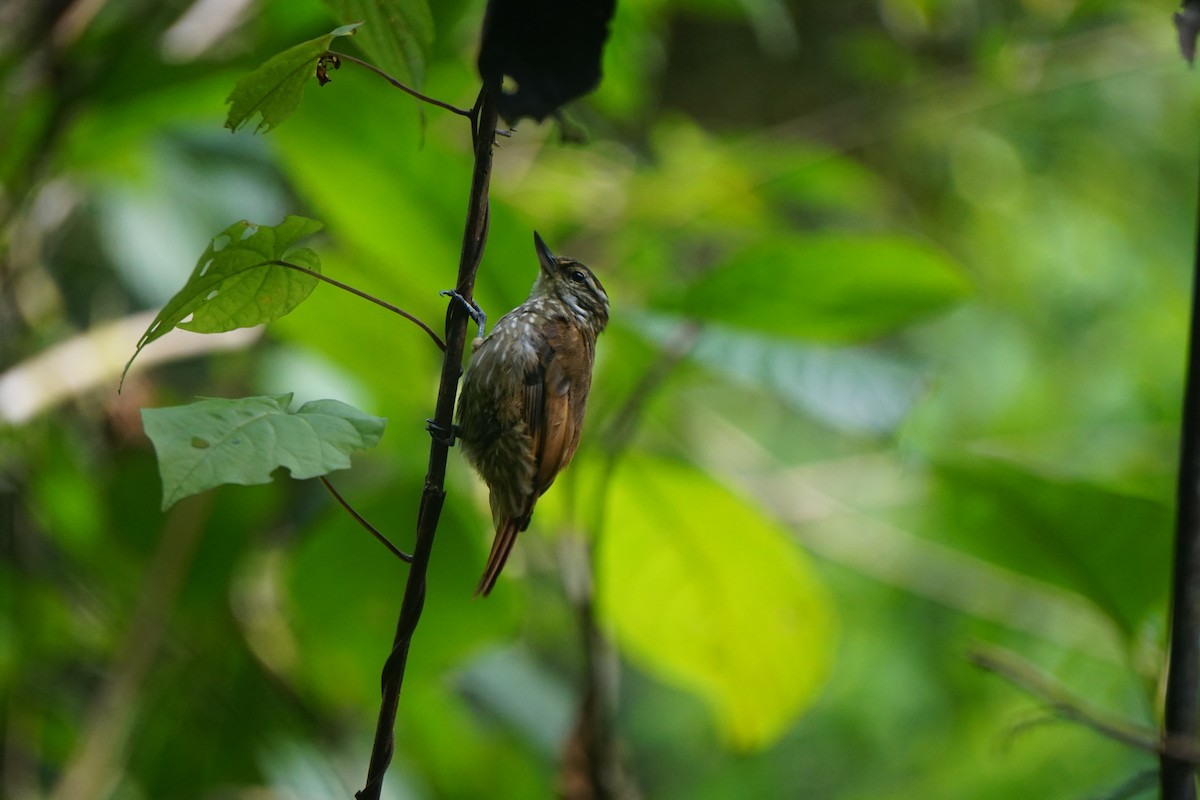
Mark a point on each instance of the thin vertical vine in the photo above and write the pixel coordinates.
(1181, 717)
(483, 129)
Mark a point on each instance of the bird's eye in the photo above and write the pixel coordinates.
(578, 277)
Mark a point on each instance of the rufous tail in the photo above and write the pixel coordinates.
(502, 545)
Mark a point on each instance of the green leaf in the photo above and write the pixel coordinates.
(397, 34)
(832, 288)
(703, 590)
(275, 89)
(858, 389)
(233, 284)
(1111, 548)
(215, 441)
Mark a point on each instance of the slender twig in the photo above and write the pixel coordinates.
(1064, 706)
(483, 127)
(396, 551)
(1134, 786)
(359, 293)
(462, 112)
(1181, 715)
(623, 424)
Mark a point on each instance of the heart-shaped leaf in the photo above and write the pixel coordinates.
(235, 285)
(215, 441)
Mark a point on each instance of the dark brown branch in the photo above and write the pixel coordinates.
(1064, 706)
(359, 293)
(483, 128)
(396, 551)
(402, 87)
(1181, 714)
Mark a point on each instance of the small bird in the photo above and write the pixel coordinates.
(524, 395)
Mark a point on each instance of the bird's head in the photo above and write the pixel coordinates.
(572, 284)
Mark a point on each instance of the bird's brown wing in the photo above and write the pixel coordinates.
(567, 375)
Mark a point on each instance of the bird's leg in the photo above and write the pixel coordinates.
(473, 310)
(441, 434)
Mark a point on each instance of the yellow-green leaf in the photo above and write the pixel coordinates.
(703, 590)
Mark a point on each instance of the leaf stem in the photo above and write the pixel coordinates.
(1064, 706)
(595, 731)
(359, 293)
(462, 112)
(622, 425)
(396, 551)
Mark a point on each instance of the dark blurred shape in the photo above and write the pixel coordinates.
(1187, 23)
(551, 49)
(592, 767)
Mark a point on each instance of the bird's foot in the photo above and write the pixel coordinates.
(473, 310)
(441, 435)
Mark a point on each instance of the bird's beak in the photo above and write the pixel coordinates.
(545, 257)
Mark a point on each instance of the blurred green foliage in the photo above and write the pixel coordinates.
(923, 267)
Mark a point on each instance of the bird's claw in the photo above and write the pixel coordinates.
(441, 435)
(473, 310)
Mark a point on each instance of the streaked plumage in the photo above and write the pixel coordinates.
(524, 394)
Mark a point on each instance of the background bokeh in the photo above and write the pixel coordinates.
(900, 299)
